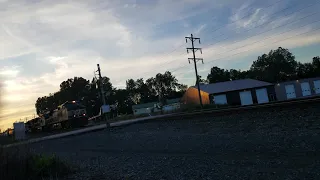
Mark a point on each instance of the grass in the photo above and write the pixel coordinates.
(6, 140)
(18, 163)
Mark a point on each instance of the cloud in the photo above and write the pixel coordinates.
(248, 17)
(9, 72)
(47, 42)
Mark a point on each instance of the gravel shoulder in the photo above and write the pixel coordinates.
(267, 144)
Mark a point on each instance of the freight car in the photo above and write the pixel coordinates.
(34, 125)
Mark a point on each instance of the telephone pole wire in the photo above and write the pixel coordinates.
(195, 60)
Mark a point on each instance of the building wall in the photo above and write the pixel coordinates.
(191, 96)
(171, 107)
(271, 94)
(281, 91)
(233, 97)
(142, 111)
(148, 110)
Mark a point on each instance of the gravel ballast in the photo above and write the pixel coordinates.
(265, 144)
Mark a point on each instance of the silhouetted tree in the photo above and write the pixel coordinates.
(202, 80)
(316, 65)
(139, 91)
(218, 75)
(277, 65)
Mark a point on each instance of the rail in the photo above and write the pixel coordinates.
(239, 107)
(287, 103)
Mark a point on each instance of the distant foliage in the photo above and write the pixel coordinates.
(276, 66)
(160, 87)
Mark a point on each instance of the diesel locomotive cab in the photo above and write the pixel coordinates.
(69, 114)
(74, 112)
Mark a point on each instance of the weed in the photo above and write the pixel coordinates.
(19, 163)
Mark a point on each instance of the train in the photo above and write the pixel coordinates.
(70, 114)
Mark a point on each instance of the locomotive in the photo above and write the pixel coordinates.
(70, 114)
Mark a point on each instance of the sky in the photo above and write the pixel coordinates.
(43, 43)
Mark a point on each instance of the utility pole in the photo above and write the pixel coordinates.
(102, 95)
(195, 60)
(101, 85)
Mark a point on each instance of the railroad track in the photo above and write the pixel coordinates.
(239, 109)
(302, 102)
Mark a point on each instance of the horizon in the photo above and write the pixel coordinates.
(48, 42)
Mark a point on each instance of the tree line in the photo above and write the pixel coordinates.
(159, 88)
(276, 66)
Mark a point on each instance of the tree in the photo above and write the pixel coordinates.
(163, 85)
(107, 85)
(305, 70)
(123, 101)
(131, 87)
(157, 88)
(218, 75)
(316, 65)
(66, 84)
(76, 88)
(145, 93)
(182, 88)
(277, 65)
(202, 80)
(238, 74)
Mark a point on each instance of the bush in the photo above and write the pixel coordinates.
(20, 164)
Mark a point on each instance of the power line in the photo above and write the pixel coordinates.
(226, 25)
(168, 62)
(261, 46)
(246, 15)
(262, 39)
(268, 22)
(195, 60)
(174, 60)
(231, 22)
(271, 22)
